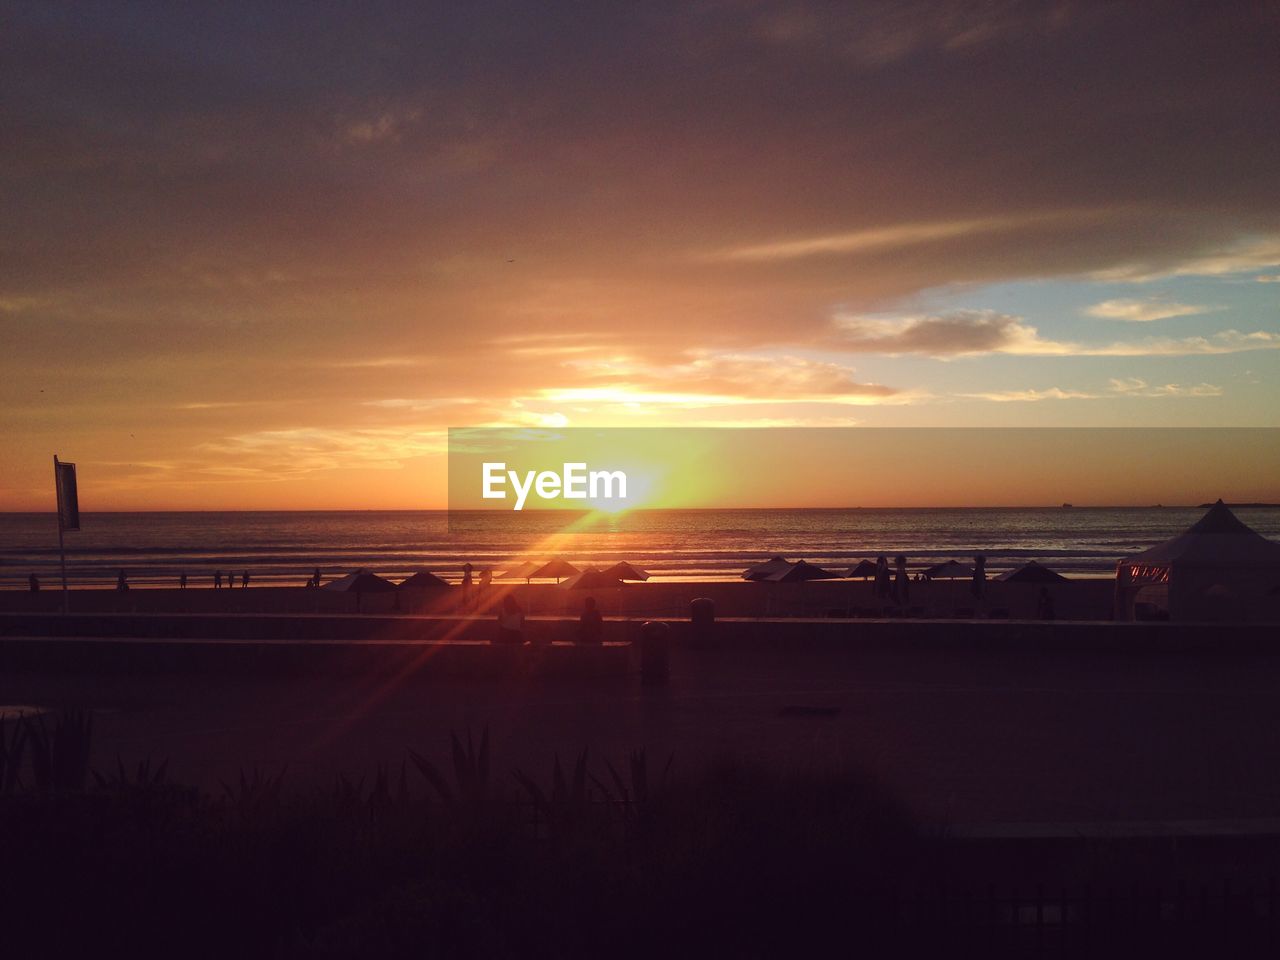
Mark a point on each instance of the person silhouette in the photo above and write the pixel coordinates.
(122, 581)
(510, 622)
(590, 624)
(486, 576)
(882, 582)
(1044, 605)
(182, 580)
(244, 580)
(466, 583)
(33, 583)
(217, 579)
(315, 577)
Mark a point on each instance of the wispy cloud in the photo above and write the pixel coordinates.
(896, 236)
(1031, 396)
(1125, 387)
(970, 333)
(1240, 257)
(1135, 310)
(725, 379)
(1135, 387)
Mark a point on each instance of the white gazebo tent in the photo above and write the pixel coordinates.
(1218, 570)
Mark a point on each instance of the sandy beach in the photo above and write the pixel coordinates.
(963, 732)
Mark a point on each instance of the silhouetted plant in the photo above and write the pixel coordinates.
(470, 771)
(638, 793)
(60, 762)
(12, 747)
(142, 778)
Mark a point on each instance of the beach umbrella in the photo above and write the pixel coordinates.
(361, 581)
(1032, 572)
(625, 571)
(864, 569)
(423, 580)
(591, 579)
(761, 571)
(523, 571)
(557, 569)
(951, 570)
(799, 572)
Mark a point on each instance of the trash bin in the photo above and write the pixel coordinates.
(702, 621)
(655, 648)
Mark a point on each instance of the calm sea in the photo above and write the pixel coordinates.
(284, 547)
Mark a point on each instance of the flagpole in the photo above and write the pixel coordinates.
(62, 550)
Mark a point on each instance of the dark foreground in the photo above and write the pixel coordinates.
(890, 800)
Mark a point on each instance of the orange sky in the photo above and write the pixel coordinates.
(268, 264)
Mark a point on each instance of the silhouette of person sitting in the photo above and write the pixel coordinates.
(510, 622)
(590, 624)
(486, 576)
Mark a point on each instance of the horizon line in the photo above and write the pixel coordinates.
(1261, 505)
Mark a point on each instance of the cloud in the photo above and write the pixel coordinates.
(1240, 256)
(1145, 310)
(864, 241)
(897, 236)
(1031, 396)
(1126, 387)
(1135, 387)
(720, 380)
(1268, 278)
(959, 334)
(969, 333)
(285, 453)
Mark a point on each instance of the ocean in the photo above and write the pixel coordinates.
(284, 547)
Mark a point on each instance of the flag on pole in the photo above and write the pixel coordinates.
(68, 500)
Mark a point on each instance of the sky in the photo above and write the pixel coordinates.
(264, 255)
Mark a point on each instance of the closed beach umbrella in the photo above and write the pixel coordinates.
(864, 569)
(625, 571)
(592, 579)
(902, 585)
(979, 586)
(557, 569)
(1032, 572)
(523, 571)
(761, 571)
(951, 570)
(883, 583)
(423, 580)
